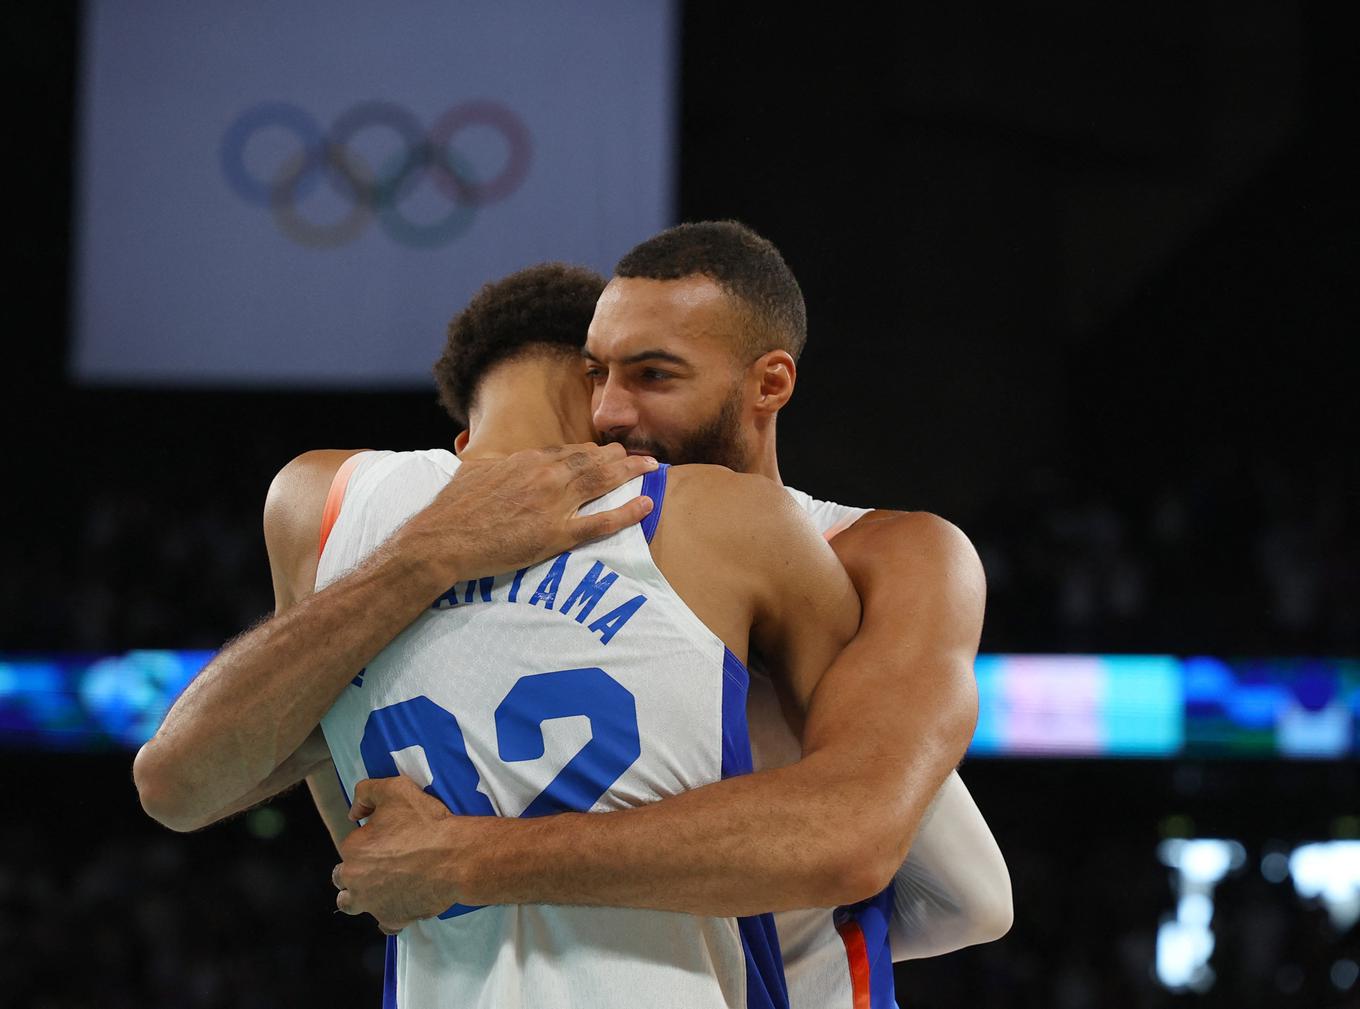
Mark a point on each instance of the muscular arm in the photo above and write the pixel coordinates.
(261, 697)
(954, 889)
(828, 830)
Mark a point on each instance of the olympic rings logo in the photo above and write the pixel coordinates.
(330, 157)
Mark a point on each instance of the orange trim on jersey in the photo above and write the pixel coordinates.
(858, 955)
(840, 527)
(334, 497)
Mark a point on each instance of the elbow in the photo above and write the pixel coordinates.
(854, 874)
(862, 878)
(993, 917)
(987, 914)
(163, 799)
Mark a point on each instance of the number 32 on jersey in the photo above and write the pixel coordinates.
(531, 701)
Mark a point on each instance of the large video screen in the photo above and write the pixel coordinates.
(303, 194)
(1030, 705)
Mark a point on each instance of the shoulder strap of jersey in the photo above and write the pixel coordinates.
(654, 487)
(335, 497)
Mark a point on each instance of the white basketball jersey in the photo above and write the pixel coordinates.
(833, 959)
(582, 683)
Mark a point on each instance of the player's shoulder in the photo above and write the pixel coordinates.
(740, 508)
(296, 499)
(924, 529)
(306, 478)
(718, 488)
(923, 543)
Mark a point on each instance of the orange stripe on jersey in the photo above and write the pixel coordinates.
(858, 955)
(840, 527)
(334, 497)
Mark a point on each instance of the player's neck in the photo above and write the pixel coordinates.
(764, 458)
(526, 404)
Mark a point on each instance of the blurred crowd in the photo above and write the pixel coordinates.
(240, 915)
(1232, 562)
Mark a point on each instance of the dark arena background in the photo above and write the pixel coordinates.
(1080, 278)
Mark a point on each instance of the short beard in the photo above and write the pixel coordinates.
(716, 442)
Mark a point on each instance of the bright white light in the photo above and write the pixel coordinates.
(1330, 870)
(1195, 910)
(1185, 943)
(1183, 953)
(1202, 861)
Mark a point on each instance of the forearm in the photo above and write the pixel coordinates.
(954, 889)
(763, 842)
(297, 767)
(331, 802)
(255, 703)
(829, 830)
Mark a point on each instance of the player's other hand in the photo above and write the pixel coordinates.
(400, 865)
(503, 514)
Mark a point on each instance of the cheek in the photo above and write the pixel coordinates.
(666, 418)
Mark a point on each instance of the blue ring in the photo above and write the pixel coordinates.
(238, 135)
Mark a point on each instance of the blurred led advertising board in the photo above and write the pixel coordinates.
(1163, 706)
(1030, 705)
(303, 194)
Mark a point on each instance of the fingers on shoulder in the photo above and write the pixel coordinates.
(599, 524)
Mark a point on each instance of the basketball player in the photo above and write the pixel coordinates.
(677, 374)
(318, 645)
(643, 633)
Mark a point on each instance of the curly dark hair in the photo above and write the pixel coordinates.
(543, 307)
(746, 266)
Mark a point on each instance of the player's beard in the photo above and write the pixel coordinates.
(716, 442)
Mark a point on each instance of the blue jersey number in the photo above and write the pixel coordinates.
(533, 700)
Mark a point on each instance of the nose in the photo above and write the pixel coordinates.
(615, 413)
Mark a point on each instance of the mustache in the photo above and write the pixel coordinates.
(632, 444)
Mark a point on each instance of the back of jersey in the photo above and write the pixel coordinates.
(582, 683)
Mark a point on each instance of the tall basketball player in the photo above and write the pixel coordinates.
(639, 637)
(692, 353)
(955, 893)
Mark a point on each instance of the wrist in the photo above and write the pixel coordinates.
(420, 564)
(479, 858)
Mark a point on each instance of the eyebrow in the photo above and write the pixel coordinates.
(642, 355)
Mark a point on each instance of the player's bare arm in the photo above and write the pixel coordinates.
(252, 709)
(954, 889)
(829, 830)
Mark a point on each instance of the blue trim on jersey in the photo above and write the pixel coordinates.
(873, 916)
(736, 737)
(766, 987)
(390, 974)
(654, 487)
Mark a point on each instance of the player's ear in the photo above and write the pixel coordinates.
(776, 373)
(460, 442)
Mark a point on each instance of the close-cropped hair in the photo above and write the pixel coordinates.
(547, 307)
(747, 267)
